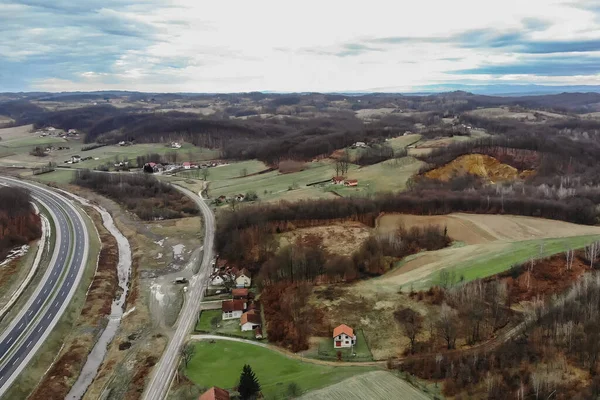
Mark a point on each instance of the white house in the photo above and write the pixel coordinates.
(233, 309)
(250, 320)
(360, 144)
(242, 279)
(75, 159)
(343, 336)
(187, 165)
(217, 280)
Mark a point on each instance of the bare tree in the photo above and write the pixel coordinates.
(187, 353)
(412, 323)
(447, 325)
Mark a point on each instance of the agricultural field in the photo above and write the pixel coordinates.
(272, 185)
(524, 115)
(61, 176)
(236, 170)
(376, 385)
(493, 244)
(220, 364)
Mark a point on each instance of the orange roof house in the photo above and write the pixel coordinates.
(215, 393)
(343, 336)
(351, 182)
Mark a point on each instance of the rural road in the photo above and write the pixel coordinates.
(30, 328)
(164, 370)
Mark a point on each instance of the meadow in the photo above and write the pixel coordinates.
(220, 364)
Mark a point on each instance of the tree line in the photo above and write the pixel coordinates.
(19, 224)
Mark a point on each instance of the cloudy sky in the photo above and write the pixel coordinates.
(325, 45)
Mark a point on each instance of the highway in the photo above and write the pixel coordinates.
(28, 330)
(164, 370)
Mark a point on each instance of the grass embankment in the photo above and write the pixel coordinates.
(516, 253)
(228, 327)
(220, 364)
(47, 353)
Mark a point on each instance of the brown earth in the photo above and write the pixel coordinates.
(479, 165)
(57, 382)
(339, 238)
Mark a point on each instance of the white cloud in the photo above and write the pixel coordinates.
(314, 45)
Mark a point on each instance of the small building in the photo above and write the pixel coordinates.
(242, 279)
(240, 294)
(337, 180)
(240, 197)
(343, 336)
(233, 309)
(250, 320)
(72, 131)
(175, 145)
(215, 393)
(360, 144)
(217, 280)
(187, 165)
(75, 159)
(351, 182)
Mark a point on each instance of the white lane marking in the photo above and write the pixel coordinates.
(29, 343)
(39, 329)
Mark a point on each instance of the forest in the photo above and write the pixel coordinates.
(19, 224)
(142, 194)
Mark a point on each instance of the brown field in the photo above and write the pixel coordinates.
(16, 133)
(343, 238)
(376, 385)
(483, 228)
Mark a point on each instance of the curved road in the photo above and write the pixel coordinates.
(28, 330)
(164, 370)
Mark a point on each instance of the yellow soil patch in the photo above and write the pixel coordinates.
(475, 164)
(341, 239)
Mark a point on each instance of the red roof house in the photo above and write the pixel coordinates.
(239, 293)
(214, 393)
(337, 180)
(343, 336)
(351, 182)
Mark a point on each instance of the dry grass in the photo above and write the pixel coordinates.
(341, 239)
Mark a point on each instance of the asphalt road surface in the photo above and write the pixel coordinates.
(33, 324)
(164, 370)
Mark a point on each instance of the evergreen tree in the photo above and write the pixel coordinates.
(249, 387)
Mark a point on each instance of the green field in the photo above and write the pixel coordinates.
(31, 142)
(386, 176)
(58, 176)
(401, 142)
(230, 171)
(272, 184)
(517, 253)
(220, 364)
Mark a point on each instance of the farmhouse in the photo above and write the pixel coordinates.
(250, 320)
(215, 393)
(233, 309)
(351, 182)
(242, 279)
(337, 180)
(187, 165)
(343, 336)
